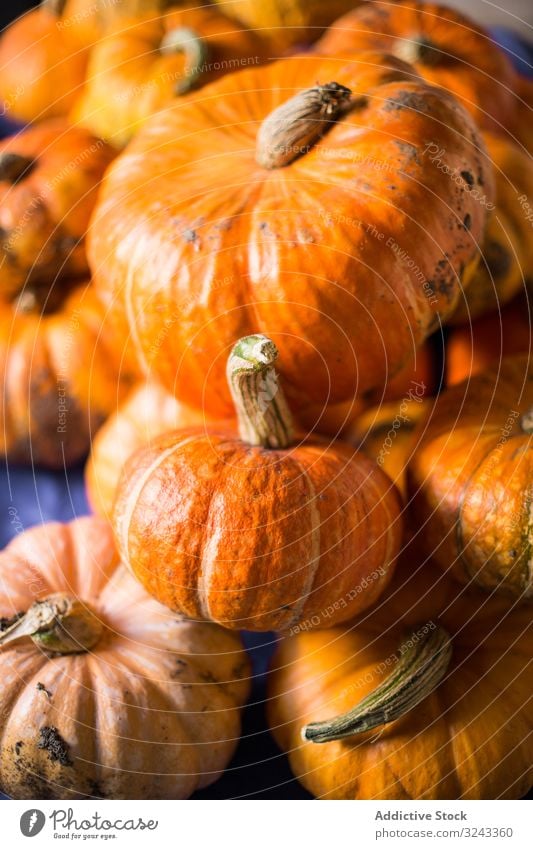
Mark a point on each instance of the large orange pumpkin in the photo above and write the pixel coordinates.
(49, 178)
(146, 63)
(43, 65)
(147, 412)
(426, 697)
(268, 203)
(444, 46)
(105, 693)
(256, 531)
(470, 479)
(59, 375)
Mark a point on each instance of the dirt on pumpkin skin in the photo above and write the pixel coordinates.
(6, 623)
(57, 748)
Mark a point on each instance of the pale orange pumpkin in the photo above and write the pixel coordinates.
(105, 693)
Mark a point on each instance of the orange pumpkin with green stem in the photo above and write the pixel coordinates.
(145, 64)
(470, 479)
(257, 531)
(291, 230)
(425, 697)
(105, 694)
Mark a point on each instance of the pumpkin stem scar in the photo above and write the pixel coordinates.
(423, 662)
(262, 411)
(14, 167)
(526, 421)
(294, 127)
(58, 623)
(187, 41)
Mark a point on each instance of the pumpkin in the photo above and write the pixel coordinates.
(472, 348)
(446, 48)
(507, 249)
(59, 373)
(470, 479)
(253, 530)
(43, 65)
(287, 22)
(426, 697)
(149, 62)
(105, 693)
(347, 248)
(92, 19)
(148, 411)
(49, 178)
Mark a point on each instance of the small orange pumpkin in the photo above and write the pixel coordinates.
(59, 374)
(470, 479)
(446, 48)
(43, 65)
(105, 693)
(147, 63)
(257, 532)
(426, 697)
(331, 232)
(147, 412)
(49, 178)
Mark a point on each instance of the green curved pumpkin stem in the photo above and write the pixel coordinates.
(420, 50)
(262, 411)
(187, 41)
(293, 128)
(58, 623)
(423, 662)
(526, 421)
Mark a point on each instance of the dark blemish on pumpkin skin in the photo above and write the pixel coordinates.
(18, 746)
(513, 552)
(43, 689)
(190, 235)
(58, 749)
(407, 100)
(467, 221)
(467, 177)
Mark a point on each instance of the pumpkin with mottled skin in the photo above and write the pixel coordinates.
(469, 738)
(348, 256)
(147, 412)
(257, 529)
(60, 375)
(470, 479)
(446, 48)
(147, 63)
(146, 706)
(49, 179)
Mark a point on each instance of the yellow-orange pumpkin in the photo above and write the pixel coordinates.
(465, 733)
(104, 692)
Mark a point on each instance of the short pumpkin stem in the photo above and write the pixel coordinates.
(262, 411)
(526, 422)
(59, 624)
(423, 663)
(55, 7)
(196, 52)
(14, 167)
(295, 126)
(420, 50)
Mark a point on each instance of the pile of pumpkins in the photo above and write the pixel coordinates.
(272, 270)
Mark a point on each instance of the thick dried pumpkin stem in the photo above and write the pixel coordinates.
(262, 411)
(189, 42)
(295, 126)
(14, 166)
(58, 623)
(423, 663)
(526, 422)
